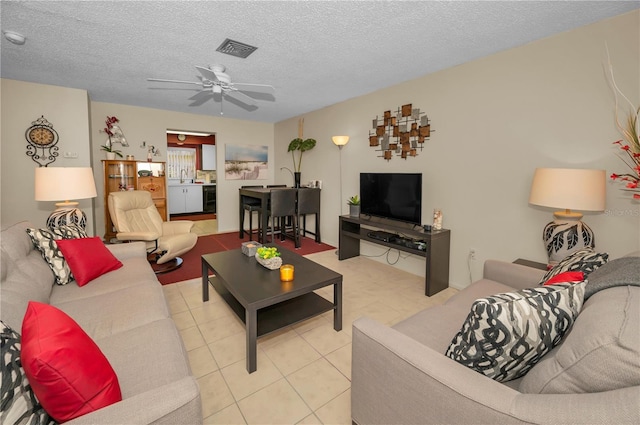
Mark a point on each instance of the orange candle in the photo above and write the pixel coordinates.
(286, 272)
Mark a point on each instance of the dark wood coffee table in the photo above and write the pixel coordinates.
(262, 301)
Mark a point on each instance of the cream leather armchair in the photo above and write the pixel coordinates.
(136, 218)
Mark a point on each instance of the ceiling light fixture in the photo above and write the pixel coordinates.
(188, 133)
(14, 37)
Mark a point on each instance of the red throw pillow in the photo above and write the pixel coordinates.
(565, 277)
(88, 258)
(67, 371)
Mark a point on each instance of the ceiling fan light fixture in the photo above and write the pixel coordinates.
(225, 78)
(214, 81)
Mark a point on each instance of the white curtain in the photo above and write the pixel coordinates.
(181, 159)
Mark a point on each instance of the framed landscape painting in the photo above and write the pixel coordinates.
(246, 162)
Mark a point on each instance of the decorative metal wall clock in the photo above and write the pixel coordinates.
(403, 133)
(42, 140)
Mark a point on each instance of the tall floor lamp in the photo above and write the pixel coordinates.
(340, 142)
(65, 184)
(569, 189)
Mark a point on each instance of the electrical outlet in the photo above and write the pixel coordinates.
(472, 253)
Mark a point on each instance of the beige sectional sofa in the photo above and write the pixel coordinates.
(400, 374)
(126, 314)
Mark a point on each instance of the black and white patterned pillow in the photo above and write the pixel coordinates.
(19, 404)
(585, 261)
(44, 241)
(505, 335)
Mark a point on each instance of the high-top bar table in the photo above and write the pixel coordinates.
(264, 194)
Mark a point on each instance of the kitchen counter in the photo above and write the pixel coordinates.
(191, 184)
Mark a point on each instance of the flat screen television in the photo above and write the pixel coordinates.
(396, 196)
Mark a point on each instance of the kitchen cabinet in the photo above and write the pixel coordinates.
(185, 198)
(208, 157)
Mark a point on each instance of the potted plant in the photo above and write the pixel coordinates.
(354, 206)
(269, 257)
(111, 153)
(302, 146)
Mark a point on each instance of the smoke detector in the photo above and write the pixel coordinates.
(14, 37)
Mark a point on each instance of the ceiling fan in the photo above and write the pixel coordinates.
(215, 83)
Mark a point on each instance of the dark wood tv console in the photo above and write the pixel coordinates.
(435, 250)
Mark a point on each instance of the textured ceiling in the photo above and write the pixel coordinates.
(315, 53)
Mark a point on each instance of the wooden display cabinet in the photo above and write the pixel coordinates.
(157, 187)
(121, 175)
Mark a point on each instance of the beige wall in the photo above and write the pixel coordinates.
(68, 111)
(78, 124)
(546, 104)
(150, 125)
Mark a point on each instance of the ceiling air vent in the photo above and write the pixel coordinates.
(235, 48)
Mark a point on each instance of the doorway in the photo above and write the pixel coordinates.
(192, 179)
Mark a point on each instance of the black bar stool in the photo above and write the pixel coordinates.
(309, 203)
(283, 205)
(251, 205)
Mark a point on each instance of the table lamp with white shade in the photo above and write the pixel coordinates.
(569, 189)
(65, 184)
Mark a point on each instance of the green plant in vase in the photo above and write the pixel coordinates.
(269, 257)
(109, 150)
(354, 206)
(266, 252)
(301, 146)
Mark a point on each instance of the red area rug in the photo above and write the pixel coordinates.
(192, 266)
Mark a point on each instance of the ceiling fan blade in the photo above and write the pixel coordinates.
(240, 97)
(207, 73)
(160, 80)
(258, 95)
(262, 88)
(230, 97)
(200, 98)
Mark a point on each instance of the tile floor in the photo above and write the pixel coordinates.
(304, 371)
